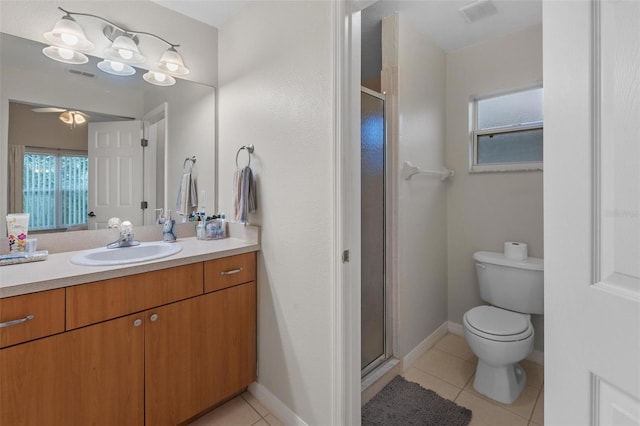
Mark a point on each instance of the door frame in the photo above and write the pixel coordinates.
(346, 290)
(149, 161)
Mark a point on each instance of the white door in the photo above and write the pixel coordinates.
(592, 212)
(115, 172)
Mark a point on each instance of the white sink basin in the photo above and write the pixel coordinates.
(124, 255)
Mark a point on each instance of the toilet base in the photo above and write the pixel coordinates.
(503, 384)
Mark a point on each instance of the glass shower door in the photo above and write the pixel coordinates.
(373, 159)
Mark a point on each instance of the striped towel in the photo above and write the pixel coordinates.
(187, 195)
(245, 199)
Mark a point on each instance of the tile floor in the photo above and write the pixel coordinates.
(448, 369)
(243, 410)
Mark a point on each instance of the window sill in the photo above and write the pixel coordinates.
(500, 168)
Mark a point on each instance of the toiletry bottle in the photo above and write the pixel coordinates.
(169, 229)
(200, 230)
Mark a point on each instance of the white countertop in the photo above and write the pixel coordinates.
(57, 271)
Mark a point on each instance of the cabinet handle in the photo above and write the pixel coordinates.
(137, 323)
(16, 322)
(153, 317)
(231, 272)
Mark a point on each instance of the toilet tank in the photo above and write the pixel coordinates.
(516, 285)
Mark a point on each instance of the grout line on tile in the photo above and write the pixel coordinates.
(252, 407)
(536, 402)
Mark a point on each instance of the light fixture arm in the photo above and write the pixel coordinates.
(124, 30)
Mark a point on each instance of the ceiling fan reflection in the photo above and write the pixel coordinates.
(70, 117)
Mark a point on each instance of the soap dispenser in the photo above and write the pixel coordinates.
(169, 229)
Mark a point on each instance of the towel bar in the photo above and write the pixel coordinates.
(409, 170)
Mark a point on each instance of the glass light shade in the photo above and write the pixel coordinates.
(62, 54)
(159, 78)
(124, 49)
(72, 118)
(79, 118)
(171, 63)
(66, 117)
(116, 68)
(68, 33)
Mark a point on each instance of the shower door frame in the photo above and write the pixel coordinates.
(387, 226)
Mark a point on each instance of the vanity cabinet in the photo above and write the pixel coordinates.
(146, 349)
(199, 352)
(31, 316)
(89, 376)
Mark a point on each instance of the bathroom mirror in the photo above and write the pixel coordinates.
(183, 116)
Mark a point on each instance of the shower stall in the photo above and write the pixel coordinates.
(375, 344)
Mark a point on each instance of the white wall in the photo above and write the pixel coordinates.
(275, 92)
(414, 79)
(486, 209)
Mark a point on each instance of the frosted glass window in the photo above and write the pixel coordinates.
(513, 109)
(507, 133)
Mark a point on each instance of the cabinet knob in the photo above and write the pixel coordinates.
(153, 317)
(137, 323)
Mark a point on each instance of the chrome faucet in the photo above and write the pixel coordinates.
(126, 234)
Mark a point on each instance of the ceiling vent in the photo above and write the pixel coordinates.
(477, 10)
(82, 73)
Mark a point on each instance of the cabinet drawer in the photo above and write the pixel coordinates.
(229, 271)
(31, 316)
(103, 300)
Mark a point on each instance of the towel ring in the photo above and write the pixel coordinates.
(249, 149)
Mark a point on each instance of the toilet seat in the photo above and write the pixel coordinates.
(498, 324)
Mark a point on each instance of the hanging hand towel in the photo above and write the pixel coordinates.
(245, 197)
(187, 195)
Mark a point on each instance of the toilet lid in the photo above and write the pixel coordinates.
(498, 322)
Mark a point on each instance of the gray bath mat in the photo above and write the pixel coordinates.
(406, 403)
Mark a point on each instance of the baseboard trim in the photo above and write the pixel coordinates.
(535, 356)
(422, 348)
(275, 406)
(455, 328)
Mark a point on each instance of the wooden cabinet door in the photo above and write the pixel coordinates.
(198, 352)
(89, 376)
(231, 316)
(172, 363)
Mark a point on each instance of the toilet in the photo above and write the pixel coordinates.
(501, 335)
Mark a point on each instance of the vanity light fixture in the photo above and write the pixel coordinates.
(171, 62)
(116, 68)
(63, 54)
(159, 78)
(68, 42)
(124, 49)
(68, 33)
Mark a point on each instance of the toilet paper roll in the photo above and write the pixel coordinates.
(516, 251)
